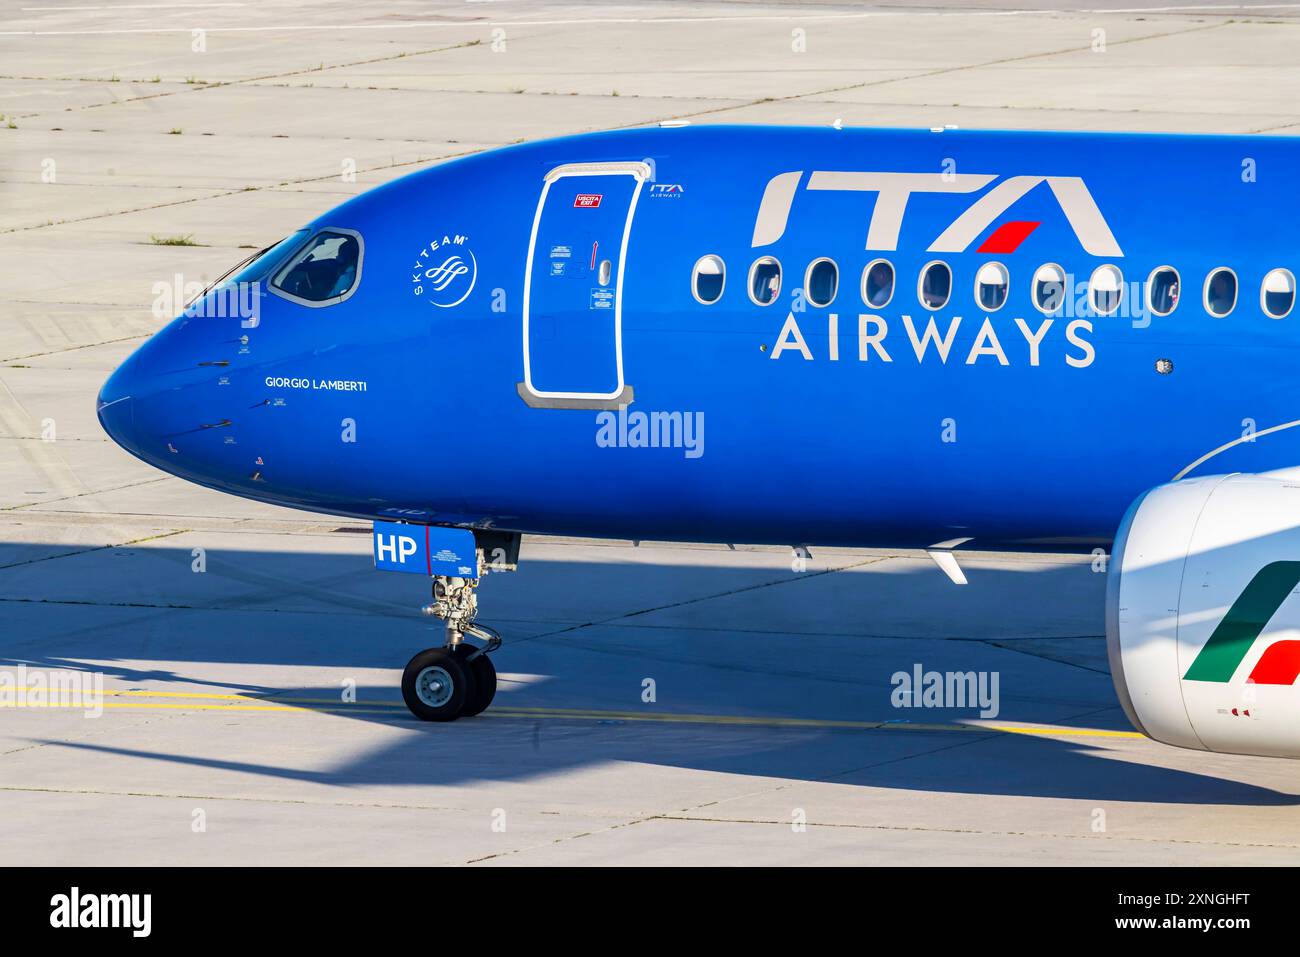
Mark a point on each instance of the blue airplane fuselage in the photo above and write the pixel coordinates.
(505, 356)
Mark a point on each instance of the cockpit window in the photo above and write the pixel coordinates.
(324, 271)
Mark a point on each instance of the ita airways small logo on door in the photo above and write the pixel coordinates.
(587, 200)
(444, 272)
(667, 190)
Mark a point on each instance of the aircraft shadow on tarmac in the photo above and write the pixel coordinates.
(720, 641)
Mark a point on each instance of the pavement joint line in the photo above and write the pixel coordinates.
(404, 615)
(64, 302)
(1035, 108)
(677, 818)
(66, 498)
(248, 703)
(1104, 836)
(1275, 129)
(250, 81)
(563, 839)
(419, 161)
(88, 345)
(702, 598)
(242, 526)
(651, 21)
(44, 460)
(95, 548)
(958, 68)
(1006, 644)
(62, 439)
(832, 777)
(383, 805)
(89, 733)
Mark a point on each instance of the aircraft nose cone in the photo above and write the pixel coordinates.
(116, 414)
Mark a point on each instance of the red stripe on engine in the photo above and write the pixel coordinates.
(1008, 237)
(1279, 665)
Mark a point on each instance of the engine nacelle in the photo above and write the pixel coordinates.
(1203, 614)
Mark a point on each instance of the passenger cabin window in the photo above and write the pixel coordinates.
(935, 286)
(1220, 292)
(878, 284)
(1277, 294)
(991, 285)
(325, 270)
(709, 279)
(1049, 288)
(821, 282)
(1106, 287)
(1163, 288)
(764, 281)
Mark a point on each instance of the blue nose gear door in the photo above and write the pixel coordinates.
(573, 286)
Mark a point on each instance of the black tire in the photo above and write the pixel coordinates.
(425, 685)
(485, 682)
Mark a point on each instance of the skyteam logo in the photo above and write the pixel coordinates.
(445, 271)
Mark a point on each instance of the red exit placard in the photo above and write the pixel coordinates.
(587, 200)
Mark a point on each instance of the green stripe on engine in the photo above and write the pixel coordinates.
(1218, 660)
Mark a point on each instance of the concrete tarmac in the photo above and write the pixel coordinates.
(250, 655)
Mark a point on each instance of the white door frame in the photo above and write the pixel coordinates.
(622, 394)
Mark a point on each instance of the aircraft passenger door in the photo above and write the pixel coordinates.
(573, 286)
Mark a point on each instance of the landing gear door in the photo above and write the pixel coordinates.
(573, 286)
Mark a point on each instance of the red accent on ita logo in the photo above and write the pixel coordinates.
(587, 200)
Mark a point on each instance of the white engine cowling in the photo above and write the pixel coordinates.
(1203, 613)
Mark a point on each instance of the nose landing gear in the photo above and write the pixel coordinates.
(457, 680)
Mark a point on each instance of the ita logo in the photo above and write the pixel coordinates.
(445, 271)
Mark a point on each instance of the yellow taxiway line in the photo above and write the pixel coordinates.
(206, 701)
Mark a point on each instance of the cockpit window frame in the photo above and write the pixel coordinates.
(302, 247)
